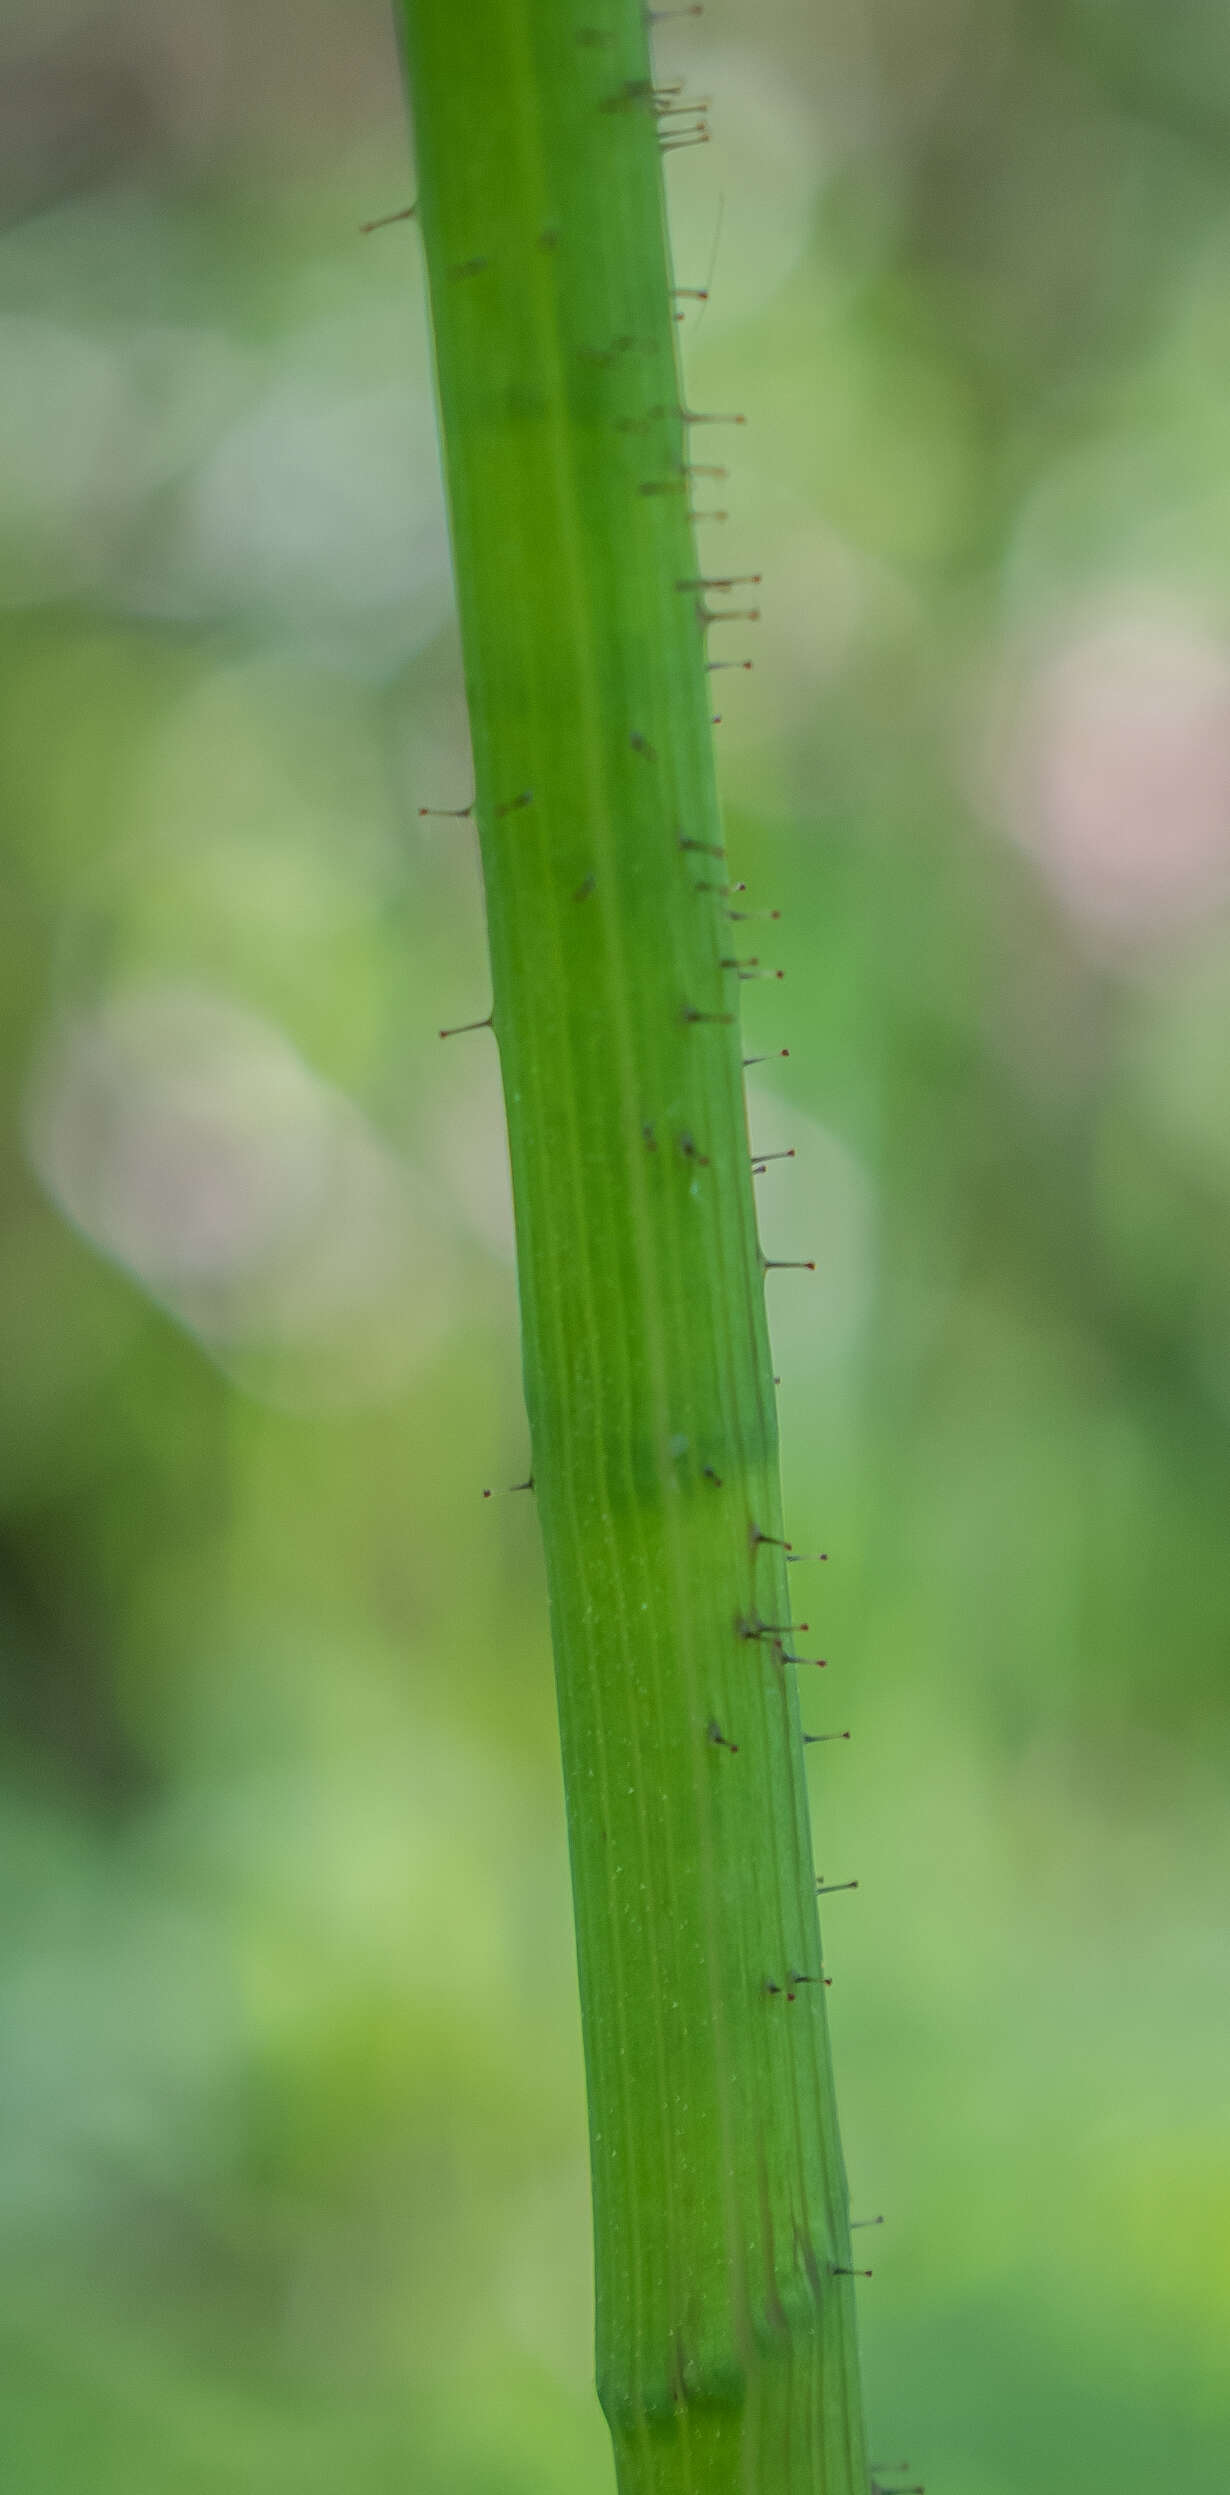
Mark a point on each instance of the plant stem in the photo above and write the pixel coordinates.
(725, 2334)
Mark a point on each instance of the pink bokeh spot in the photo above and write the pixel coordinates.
(1119, 777)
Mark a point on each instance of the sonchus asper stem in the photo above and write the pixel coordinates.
(726, 2345)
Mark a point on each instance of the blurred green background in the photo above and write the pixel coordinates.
(292, 2164)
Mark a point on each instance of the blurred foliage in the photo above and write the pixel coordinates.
(292, 2153)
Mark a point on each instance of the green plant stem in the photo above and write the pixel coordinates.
(725, 2331)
